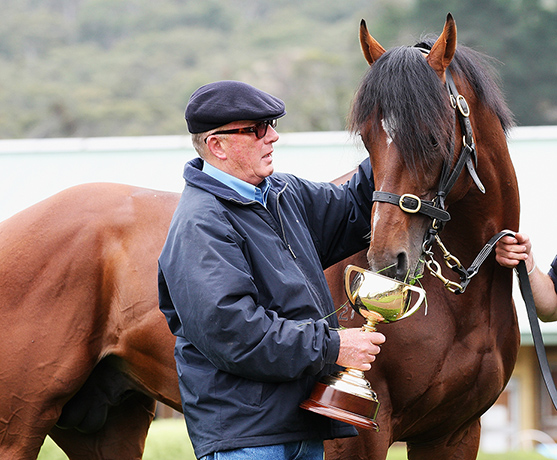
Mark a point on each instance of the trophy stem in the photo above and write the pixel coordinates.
(372, 318)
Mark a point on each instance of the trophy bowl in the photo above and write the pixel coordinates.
(347, 395)
(379, 298)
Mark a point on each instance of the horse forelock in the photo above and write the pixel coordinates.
(403, 95)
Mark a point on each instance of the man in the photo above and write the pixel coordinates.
(242, 286)
(510, 251)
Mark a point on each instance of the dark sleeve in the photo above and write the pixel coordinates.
(553, 273)
(339, 216)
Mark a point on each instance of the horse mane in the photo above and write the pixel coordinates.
(402, 93)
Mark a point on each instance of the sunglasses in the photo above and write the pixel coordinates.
(259, 129)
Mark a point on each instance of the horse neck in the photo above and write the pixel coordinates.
(477, 216)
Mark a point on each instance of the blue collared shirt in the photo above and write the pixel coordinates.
(249, 191)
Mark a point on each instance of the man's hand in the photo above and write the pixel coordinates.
(358, 348)
(511, 250)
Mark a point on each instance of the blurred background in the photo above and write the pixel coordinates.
(81, 68)
(95, 90)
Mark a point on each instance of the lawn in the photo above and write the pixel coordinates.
(167, 440)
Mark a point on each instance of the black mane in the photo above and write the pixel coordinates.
(404, 93)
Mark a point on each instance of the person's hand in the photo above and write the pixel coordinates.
(511, 250)
(358, 348)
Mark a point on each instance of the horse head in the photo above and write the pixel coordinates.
(420, 113)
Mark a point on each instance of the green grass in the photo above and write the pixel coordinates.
(399, 453)
(168, 440)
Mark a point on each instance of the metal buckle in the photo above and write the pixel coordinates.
(402, 206)
(462, 106)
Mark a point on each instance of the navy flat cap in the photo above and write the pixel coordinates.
(223, 102)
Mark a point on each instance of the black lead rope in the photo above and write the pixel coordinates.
(527, 295)
(467, 274)
(526, 291)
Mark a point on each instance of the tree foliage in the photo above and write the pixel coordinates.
(127, 67)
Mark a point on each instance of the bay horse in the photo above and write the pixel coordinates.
(434, 123)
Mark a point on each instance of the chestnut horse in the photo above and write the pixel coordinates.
(85, 351)
(437, 373)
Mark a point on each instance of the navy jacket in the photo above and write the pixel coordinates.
(243, 290)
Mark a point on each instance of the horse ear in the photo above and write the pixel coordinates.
(443, 49)
(371, 48)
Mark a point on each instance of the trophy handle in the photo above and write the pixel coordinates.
(421, 297)
(347, 288)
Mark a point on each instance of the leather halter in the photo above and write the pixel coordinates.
(469, 157)
(435, 209)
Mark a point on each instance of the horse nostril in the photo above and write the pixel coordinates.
(402, 266)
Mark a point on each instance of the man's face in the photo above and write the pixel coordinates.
(248, 158)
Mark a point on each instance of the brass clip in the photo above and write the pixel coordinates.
(450, 261)
(435, 269)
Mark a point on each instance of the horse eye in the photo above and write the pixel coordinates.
(433, 142)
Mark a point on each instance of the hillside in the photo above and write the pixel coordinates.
(74, 68)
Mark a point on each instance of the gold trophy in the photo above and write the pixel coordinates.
(347, 395)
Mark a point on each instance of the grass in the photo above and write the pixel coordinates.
(399, 453)
(168, 440)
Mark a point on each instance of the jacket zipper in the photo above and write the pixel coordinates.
(281, 222)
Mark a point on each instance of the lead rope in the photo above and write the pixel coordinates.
(526, 291)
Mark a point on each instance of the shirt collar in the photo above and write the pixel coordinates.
(251, 192)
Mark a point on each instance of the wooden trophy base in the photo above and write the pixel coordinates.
(334, 403)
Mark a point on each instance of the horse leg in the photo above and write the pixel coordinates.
(122, 437)
(460, 446)
(368, 445)
(91, 418)
(22, 436)
(33, 391)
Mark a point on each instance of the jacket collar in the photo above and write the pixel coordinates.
(194, 176)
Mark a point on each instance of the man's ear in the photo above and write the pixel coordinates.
(215, 146)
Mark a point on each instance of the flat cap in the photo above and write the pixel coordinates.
(223, 102)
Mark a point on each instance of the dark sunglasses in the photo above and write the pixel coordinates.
(259, 129)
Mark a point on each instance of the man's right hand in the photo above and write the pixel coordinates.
(358, 348)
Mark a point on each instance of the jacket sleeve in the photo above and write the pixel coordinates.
(339, 216)
(209, 297)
